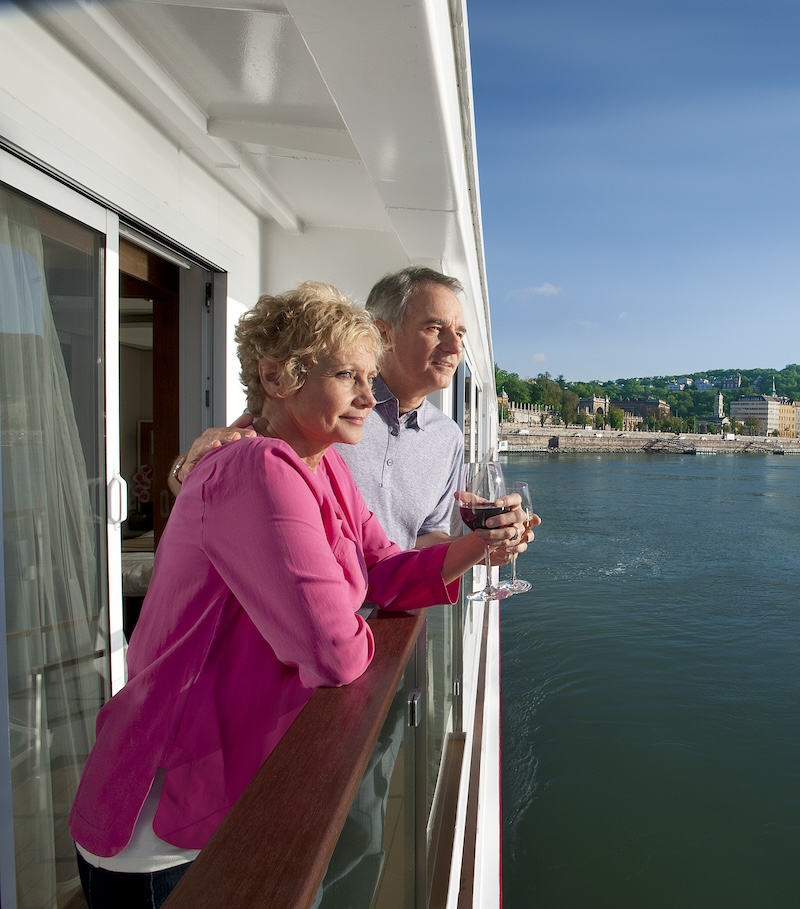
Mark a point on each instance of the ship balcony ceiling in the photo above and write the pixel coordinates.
(266, 97)
(316, 117)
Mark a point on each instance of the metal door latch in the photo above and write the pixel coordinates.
(414, 709)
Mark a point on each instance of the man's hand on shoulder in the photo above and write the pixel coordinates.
(214, 437)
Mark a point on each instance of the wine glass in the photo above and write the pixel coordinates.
(515, 584)
(481, 484)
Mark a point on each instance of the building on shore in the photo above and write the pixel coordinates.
(594, 405)
(776, 415)
(528, 414)
(717, 418)
(680, 384)
(636, 411)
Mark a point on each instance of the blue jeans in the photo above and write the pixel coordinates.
(118, 890)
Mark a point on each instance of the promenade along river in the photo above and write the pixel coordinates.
(651, 685)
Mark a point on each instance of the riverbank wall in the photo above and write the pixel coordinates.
(552, 440)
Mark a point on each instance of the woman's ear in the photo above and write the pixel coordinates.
(271, 377)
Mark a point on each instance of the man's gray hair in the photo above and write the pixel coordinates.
(388, 300)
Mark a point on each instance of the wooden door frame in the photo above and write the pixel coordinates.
(144, 274)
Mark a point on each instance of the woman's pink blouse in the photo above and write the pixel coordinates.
(253, 604)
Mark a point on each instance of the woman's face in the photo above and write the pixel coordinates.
(331, 405)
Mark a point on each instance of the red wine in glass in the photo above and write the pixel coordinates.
(482, 484)
(475, 516)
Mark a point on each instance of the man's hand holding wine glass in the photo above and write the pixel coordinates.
(494, 515)
(507, 532)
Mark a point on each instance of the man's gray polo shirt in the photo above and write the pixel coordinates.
(407, 467)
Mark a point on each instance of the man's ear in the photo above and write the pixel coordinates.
(271, 377)
(387, 333)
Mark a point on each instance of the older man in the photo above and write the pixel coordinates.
(407, 463)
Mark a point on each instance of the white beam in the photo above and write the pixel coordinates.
(332, 143)
(94, 33)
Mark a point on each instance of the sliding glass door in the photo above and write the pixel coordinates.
(53, 536)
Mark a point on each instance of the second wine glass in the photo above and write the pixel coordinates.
(515, 584)
(482, 484)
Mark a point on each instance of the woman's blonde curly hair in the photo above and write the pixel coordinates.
(295, 331)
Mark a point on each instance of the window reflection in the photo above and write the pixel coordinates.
(52, 532)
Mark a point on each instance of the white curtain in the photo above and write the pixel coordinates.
(50, 600)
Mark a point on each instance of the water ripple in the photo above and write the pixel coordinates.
(651, 726)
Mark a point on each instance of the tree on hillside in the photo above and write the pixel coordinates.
(537, 393)
(631, 388)
(517, 390)
(587, 389)
(569, 406)
(552, 390)
(790, 381)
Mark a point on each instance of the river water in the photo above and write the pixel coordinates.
(651, 685)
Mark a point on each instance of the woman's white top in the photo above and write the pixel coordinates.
(145, 852)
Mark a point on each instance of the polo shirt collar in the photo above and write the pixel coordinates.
(389, 407)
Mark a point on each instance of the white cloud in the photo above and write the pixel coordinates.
(547, 290)
(539, 357)
(527, 293)
(623, 316)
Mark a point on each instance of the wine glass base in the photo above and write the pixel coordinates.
(518, 586)
(490, 593)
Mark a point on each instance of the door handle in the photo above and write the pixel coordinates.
(117, 499)
(414, 709)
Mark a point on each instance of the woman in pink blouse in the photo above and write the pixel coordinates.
(266, 559)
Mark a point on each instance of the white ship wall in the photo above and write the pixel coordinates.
(58, 111)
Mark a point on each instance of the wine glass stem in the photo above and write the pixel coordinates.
(488, 561)
(514, 568)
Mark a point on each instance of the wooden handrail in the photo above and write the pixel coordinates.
(272, 850)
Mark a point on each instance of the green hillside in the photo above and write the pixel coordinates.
(688, 405)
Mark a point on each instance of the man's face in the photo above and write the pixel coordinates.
(424, 352)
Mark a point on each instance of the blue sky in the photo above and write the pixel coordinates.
(640, 183)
